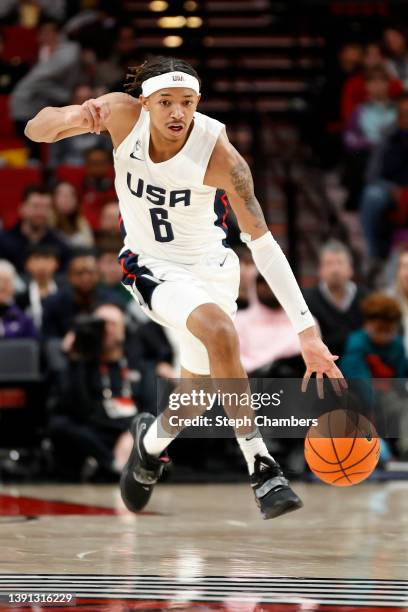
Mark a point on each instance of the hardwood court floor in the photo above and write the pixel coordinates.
(344, 538)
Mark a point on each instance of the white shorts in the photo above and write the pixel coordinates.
(169, 292)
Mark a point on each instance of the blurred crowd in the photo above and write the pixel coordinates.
(60, 281)
(361, 123)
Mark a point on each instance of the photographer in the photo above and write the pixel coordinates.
(96, 401)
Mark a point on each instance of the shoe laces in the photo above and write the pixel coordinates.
(266, 468)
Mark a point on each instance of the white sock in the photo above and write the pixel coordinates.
(251, 446)
(155, 441)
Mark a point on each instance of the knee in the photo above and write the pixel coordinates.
(221, 338)
(375, 196)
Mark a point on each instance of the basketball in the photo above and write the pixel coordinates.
(343, 449)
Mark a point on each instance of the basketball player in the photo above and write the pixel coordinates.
(173, 167)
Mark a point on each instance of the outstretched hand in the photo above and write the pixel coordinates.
(319, 360)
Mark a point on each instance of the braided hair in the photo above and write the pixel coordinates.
(158, 64)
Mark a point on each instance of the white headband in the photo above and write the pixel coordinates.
(170, 79)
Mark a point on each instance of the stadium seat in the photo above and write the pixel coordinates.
(6, 124)
(19, 361)
(13, 181)
(22, 407)
(71, 174)
(20, 43)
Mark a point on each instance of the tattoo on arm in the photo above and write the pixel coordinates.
(244, 186)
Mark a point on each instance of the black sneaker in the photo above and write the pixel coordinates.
(272, 491)
(141, 471)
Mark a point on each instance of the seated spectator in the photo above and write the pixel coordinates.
(396, 45)
(97, 400)
(335, 301)
(269, 345)
(152, 350)
(70, 226)
(376, 351)
(27, 13)
(354, 90)
(248, 274)
(41, 266)
(387, 187)
(13, 322)
(111, 72)
(400, 291)
(367, 125)
(81, 296)
(33, 229)
(110, 272)
(109, 229)
(50, 82)
(98, 185)
(11, 71)
(71, 151)
(371, 119)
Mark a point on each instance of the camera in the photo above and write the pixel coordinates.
(89, 334)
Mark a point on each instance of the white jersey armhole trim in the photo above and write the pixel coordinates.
(136, 126)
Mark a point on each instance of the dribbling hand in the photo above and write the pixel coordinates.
(319, 359)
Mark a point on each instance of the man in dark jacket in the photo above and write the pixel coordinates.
(335, 301)
(33, 229)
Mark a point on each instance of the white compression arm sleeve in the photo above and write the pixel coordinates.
(274, 267)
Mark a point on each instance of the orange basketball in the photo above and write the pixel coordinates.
(343, 449)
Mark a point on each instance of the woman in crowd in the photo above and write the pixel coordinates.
(69, 223)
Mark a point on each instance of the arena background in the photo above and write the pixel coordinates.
(290, 80)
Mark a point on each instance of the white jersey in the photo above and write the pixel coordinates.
(166, 210)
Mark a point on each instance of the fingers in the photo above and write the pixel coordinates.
(319, 385)
(92, 107)
(305, 380)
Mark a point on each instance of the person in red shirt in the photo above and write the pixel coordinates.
(355, 90)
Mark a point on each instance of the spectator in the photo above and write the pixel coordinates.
(365, 129)
(248, 274)
(109, 230)
(16, 12)
(41, 266)
(335, 301)
(265, 319)
(13, 322)
(376, 351)
(112, 71)
(81, 296)
(324, 129)
(110, 272)
(354, 90)
(370, 119)
(387, 186)
(98, 186)
(34, 228)
(50, 82)
(11, 71)
(71, 151)
(400, 291)
(154, 354)
(395, 39)
(97, 401)
(70, 226)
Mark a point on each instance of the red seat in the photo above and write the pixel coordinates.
(6, 124)
(20, 43)
(13, 182)
(71, 174)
